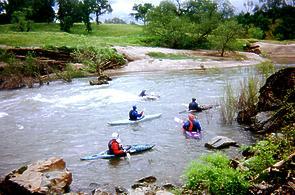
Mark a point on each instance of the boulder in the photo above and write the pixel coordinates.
(148, 179)
(102, 79)
(275, 90)
(275, 107)
(42, 177)
(98, 82)
(220, 142)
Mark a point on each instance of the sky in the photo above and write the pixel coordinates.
(123, 8)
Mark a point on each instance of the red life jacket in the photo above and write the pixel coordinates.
(191, 126)
(111, 142)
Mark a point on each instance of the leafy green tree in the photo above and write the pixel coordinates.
(68, 13)
(42, 10)
(115, 21)
(225, 35)
(101, 7)
(204, 16)
(86, 7)
(167, 27)
(141, 11)
(20, 20)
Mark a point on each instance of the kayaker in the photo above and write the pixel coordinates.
(115, 146)
(142, 93)
(133, 114)
(194, 106)
(192, 124)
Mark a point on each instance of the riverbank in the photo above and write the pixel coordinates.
(140, 61)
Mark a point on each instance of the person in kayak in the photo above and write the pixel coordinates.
(115, 146)
(192, 124)
(142, 93)
(133, 114)
(194, 106)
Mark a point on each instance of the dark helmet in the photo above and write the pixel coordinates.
(134, 107)
(193, 99)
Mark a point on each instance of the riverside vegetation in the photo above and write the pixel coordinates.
(217, 174)
(187, 25)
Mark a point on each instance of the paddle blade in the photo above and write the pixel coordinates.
(128, 156)
(178, 120)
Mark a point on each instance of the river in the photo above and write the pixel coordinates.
(69, 120)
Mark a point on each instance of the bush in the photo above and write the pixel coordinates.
(214, 173)
(20, 22)
(255, 32)
(97, 59)
(249, 92)
(228, 104)
(69, 73)
(266, 68)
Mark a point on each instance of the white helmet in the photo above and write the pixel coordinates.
(115, 135)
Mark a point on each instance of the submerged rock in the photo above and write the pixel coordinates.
(103, 79)
(220, 142)
(43, 177)
(148, 179)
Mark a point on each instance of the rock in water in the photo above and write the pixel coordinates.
(42, 177)
(220, 142)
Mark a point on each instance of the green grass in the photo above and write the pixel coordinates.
(43, 35)
(172, 56)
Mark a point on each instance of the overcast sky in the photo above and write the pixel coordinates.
(123, 8)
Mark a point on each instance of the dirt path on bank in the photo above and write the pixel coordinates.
(279, 53)
(140, 61)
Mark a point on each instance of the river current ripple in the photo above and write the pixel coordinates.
(70, 121)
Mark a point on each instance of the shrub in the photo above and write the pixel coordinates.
(255, 32)
(228, 104)
(98, 59)
(264, 152)
(69, 73)
(19, 19)
(266, 68)
(248, 96)
(214, 173)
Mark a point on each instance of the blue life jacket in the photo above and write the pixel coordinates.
(133, 115)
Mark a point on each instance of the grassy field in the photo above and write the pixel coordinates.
(47, 35)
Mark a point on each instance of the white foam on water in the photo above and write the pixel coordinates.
(88, 98)
(19, 126)
(3, 114)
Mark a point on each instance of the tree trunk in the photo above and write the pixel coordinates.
(96, 19)
(222, 52)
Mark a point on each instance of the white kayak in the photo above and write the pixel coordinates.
(150, 97)
(127, 121)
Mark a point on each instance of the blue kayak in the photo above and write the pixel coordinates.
(133, 149)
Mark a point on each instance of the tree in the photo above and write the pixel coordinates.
(225, 35)
(101, 7)
(141, 11)
(20, 20)
(43, 10)
(115, 20)
(87, 7)
(204, 16)
(167, 28)
(68, 13)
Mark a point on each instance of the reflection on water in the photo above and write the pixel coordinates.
(70, 121)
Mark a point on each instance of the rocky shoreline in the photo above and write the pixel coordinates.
(52, 177)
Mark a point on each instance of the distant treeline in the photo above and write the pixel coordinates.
(193, 20)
